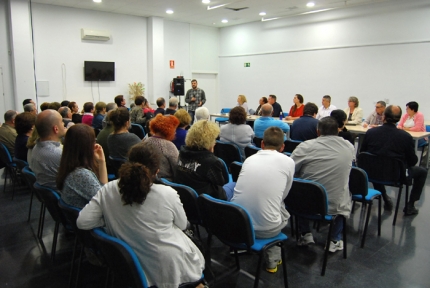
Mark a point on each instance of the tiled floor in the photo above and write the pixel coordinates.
(399, 258)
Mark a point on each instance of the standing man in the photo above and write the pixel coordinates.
(326, 108)
(46, 155)
(376, 118)
(277, 109)
(305, 128)
(195, 97)
(326, 160)
(264, 200)
(388, 141)
(266, 120)
(7, 131)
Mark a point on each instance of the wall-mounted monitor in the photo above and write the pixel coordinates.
(99, 71)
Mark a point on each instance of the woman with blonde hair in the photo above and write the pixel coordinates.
(198, 167)
(354, 113)
(241, 101)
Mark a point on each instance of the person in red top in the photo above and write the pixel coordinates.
(88, 116)
(297, 109)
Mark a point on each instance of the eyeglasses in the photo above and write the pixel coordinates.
(377, 107)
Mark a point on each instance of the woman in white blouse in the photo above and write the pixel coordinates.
(353, 112)
(241, 101)
(150, 218)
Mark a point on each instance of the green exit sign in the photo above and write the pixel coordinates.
(247, 64)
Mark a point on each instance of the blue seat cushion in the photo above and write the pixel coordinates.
(221, 119)
(260, 243)
(371, 194)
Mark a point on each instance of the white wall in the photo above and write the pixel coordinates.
(57, 40)
(373, 52)
(6, 102)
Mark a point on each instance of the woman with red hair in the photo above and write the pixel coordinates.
(163, 130)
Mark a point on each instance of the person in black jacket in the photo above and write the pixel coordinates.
(388, 141)
(277, 109)
(198, 167)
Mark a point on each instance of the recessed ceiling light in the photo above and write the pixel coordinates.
(169, 11)
(310, 4)
(206, 1)
(97, 1)
(262, 13)
(224, 21)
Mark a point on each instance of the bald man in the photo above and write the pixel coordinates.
(388, 141)
(7, 131)
(46, 155)
(266, 120)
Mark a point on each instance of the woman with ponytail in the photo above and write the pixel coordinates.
(149, 217)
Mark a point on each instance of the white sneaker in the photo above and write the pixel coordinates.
(305, 240)
(335, 246)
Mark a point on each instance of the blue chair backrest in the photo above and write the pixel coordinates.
(227, 151)
(427, 128)
(382, 169)
(225, 110)
(138, 130)
(5, 156)
(225, 173)
(235, 168)
(286, 114)
(307, 198)
(121, 259)
(228, 221)
(358, 182)
(251, 150)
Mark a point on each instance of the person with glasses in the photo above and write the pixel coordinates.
(376, 117)
(354, 113)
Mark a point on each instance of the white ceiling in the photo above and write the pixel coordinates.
(195, 12)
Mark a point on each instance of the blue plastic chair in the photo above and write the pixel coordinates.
(232, 225)
(138, 130)
(235, 168)
(286, 114)
(359, 188)
(228, 151)
(290, 145)
(223, 119)
(308, 200)
(227, 176)
(251, 150)
(9, 167)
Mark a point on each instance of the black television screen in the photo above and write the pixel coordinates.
(99, 71)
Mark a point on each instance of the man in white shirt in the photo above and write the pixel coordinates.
(326, 108)
(264, 200)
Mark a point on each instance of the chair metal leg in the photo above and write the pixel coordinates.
(407, 196)
(353, 206)
(54, 240)
(369, 209)
(259, 267)
(31, 203)
(379, 215)
(73, 262)
(79, 265)
(41, 221)
(397, 205)
(327, 246)
(345, 241)
(5, 179)
(292, 225)
(284, 264)
(297, 227)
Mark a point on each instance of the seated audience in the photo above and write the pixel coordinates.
(163, 130)
(31, 142)
(387, 141)
(120, 141)
(262, 101)
(31, 108)
(413, 120)
(66, 113)
(326, 107)
(27, 101)
(241, 102)
(110, 106)
(24, 123)
(44, 106)
(353, 112)
(326, 160)
(181, 132)
(198, 167)
(376, 117)
(237, 131)
(296, 111)
(54, 106)
(264, 200)
(88, 116)
(65, 103)
(103, 136)
(149, 217)
(173, 106)
(340, 117)
(305, 128)
(99, 115)
(82, 169)
(266, 120)
(202, 113)
(277, 109)
(120, 101)
(137, 115)
(7, 131)
(161, 104)
(46, 155)
(76, 116)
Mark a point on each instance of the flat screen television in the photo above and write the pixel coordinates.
(99, 71)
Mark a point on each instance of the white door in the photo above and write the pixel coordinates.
(209, 83)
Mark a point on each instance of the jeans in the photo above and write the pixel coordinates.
(192, 113)
(229, 190)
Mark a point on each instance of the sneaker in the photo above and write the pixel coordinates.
(335, 246)
(305, 240)
(388, 204)
(410, 210)
(274, 269)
